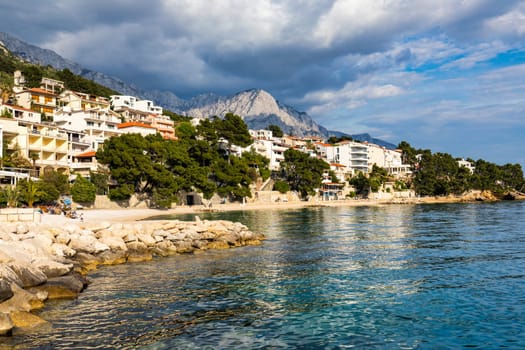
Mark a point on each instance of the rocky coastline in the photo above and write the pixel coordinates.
(39, 262)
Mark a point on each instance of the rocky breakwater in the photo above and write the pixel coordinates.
(40, 262)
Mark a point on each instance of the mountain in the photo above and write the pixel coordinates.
(257, 107)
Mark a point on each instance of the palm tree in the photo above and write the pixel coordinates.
(32, 192)
(34, 157)
(12, 194)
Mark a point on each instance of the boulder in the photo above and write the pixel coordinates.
(5, 290)
(62, 251)
(114, 243)
(24, 319)
(52, 268)
(29, 275)
(6, 325)
(64, 287)
(148, 240)
(7, 274)
(22, 300)
(113, 257)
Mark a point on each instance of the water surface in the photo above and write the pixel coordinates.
(411, 277)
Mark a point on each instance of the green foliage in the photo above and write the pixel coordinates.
(276, 130)
(176, 117)
(57, 180)
(409, 153)
(10, 195)
(303, 172)
(440, 174)
(233, 129)
(184, 130)
(83, 191)
(333, 139)
(49, 193)
(100, 180)
(30, 192)
(281, 186)
(6, 114)
(77, 83)
(361, 184)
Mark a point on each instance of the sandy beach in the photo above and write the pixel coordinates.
(124, 215)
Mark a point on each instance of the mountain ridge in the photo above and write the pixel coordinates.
(256, 106)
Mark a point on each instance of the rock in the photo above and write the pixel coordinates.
(138, 251)
(87, 243)
(6, 325)
(63, 238)
(148, 240)
(22, 300)
(52, 268)
(29, 275)
(113, 257)
(5, 290)
(24, 319)
(184, 247)
(218, 245)
(22, 228)
(7, 274)
(114, 243)
(64, 287)
(87, 262)
(62, 251)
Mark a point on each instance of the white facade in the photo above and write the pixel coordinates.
(20, 113)
(391, 160)
(97, 125)
(466, 164)
(123, 101)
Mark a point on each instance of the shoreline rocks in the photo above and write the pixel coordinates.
(40, 262)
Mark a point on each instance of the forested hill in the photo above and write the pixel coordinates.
(33, 74)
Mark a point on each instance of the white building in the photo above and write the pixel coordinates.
(123, 101)
(466, 164)
(391, 160)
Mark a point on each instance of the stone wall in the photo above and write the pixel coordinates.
(20, 215)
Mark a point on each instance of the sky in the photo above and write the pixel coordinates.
(445, 75)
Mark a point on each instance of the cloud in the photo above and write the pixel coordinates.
(403, 69)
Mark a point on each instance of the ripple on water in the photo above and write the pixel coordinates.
(426, 276)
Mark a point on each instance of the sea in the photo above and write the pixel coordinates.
(427, 276)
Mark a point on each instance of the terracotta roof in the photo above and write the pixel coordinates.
(20, 108)
(87, 154)
(132, 124)
(41, 91)
(337, 165)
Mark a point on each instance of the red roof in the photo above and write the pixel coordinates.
(42, 91)
(88, 154)
(132, 124)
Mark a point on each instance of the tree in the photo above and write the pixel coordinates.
(30, 191)
(276, 130)
(59, 181)
(233, 129)
(303, 172)
(377, 177)
(100, 180)
(408, 155)
(83, 191)
(361, 184)
(281, 186)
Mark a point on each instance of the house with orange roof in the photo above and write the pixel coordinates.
(137, 128)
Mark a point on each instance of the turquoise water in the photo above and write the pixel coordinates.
(392, 277)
